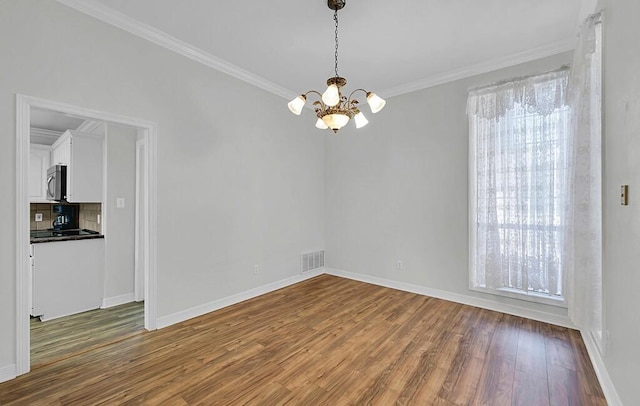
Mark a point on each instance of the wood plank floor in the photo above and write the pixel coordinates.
(60, 338)
(327, 341)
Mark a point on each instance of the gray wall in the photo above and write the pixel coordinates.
(120, 222)
(240, 180)
(397, 189)
(621, 146)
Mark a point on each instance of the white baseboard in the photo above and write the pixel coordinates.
(117, 300)
(178, 317)
(606, 383)
(8, 372)
(550, 318)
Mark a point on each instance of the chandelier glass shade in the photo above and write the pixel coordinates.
(333, 109)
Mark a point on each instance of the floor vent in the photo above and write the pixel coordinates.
(310, 261)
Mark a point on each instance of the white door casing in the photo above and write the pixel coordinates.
(149, 135)
(140, 238)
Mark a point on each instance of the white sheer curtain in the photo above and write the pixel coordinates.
(518, 155)
(584, 247)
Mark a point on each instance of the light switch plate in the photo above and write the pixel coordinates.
(119, 202)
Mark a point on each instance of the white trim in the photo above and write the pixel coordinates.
(483, 67)
(141, 179)
(104, 207)
(117, 300)
(59, 316)
(519, 311)
(23, 307)
(89, 126)
(7, 372)
(23, 106)
(187, 314)
(601, 340)
(473, 195)
(45, 135)
(42, 132)
(606, 383)
(599, 366)
(158, 37)
(150, 225)
(522, 295)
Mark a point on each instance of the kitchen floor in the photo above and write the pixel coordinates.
(61, 338)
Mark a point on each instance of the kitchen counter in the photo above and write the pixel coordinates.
(63, 235)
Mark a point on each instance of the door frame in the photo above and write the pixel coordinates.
(140, 265)
(149, 133)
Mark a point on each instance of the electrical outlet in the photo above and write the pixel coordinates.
(98, 219)
(38, 216)
(256, 269)
(399, 264)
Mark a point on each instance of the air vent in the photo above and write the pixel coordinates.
(310, 261)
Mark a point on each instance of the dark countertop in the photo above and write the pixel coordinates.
(63, 235)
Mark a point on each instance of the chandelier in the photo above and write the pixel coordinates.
(333, 109)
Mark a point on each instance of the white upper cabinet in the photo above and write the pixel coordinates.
(82, 153)
(39, 162)
(61, 154)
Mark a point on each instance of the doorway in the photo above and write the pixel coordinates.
(146, 136)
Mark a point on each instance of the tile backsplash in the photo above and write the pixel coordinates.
(89, 213)
(47, 217)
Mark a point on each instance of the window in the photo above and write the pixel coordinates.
(519, 186)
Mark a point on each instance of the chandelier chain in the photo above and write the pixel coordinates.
(335, 18)
(333, 109)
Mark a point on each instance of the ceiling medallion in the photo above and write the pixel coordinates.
(333, 109)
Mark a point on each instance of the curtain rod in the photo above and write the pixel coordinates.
(562, 68)
(596, 18)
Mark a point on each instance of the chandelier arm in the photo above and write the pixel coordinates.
(365, 92)
(338, 109)
(316, 92)
(322, 105)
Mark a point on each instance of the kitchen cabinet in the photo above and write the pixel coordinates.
(39, 162)
(82, 153)
(66, 277)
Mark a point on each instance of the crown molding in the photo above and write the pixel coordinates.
(483, 67)
(158, 37)
(89, 126)
(42, 132)
(43, 136)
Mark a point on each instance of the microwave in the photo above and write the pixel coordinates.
(57, 183)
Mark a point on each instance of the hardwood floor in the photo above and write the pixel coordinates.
(60, 338)
(327, 341)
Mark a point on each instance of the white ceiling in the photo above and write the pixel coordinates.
(385, 46)
(47, 126)
(53, 120)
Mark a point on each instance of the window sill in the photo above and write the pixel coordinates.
(528, 297)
